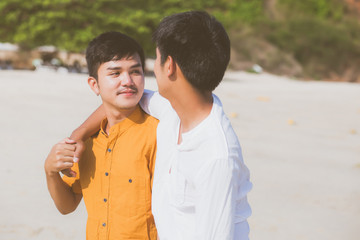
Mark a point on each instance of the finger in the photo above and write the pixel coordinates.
(69, 141)
(63, 154)
(68, 153)
(78, 152)
(79, 149)
(63, 140)
(66, 156)
(68, 146)
(68, 159)
(59, 148)
(67, 164)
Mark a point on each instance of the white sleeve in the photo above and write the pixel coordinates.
(218, 206)
(154, 104)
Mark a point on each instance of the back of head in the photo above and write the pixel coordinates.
(198, 43)
(111, 46)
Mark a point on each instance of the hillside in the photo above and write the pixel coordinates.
(308, 39)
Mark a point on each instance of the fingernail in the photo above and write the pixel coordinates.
(75, 159)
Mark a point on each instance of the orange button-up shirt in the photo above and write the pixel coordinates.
(115, 177)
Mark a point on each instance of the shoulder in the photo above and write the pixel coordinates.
(223, 136)
(150, 121)
(146, 131)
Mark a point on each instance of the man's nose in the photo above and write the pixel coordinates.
(126, 79)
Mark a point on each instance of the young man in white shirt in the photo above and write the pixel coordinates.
(200, 182)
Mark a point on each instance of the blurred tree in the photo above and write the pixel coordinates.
(241, 12)
(304, 29)
(71, 24)
(322, 9)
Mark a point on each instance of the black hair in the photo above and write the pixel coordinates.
(111, 46)
(198, 43)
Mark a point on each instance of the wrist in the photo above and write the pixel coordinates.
(79, 134)
(51, 174)
(48, 171)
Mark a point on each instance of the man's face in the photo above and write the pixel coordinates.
(160, 74)
(121, 82)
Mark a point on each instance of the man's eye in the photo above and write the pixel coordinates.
(136, 72)
(114, 74)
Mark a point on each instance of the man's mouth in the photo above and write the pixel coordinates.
(127, 92)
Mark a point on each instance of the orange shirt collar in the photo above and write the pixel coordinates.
(136, 117)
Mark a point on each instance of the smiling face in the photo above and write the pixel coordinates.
(120, 83)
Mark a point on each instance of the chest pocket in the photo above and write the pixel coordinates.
(129, 195)
(178, 187)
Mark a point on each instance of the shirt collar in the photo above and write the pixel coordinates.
(136, 117)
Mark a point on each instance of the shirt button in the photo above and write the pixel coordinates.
(109, 150)
(104, 224)
(130, 180)
(106, 174)
(105, 200)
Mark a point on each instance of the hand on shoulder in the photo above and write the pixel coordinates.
(61, 157)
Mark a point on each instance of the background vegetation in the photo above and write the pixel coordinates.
(309, 39)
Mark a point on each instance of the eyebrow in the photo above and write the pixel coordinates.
(118, 68)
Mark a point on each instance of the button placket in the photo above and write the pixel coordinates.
(106, 181)
(108, 152)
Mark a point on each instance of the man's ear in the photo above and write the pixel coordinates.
(94, 85)
(171, 67)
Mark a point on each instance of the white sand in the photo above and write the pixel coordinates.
(301, 141)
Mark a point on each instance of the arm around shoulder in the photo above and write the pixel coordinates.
(86, 130)
(154, 104)
(90, 126)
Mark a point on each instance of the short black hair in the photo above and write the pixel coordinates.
(198, 43)
(111, 46)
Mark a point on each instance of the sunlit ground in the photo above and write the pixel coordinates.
(301, 141)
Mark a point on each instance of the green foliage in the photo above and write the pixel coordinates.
(320, 46)
(239, 12)
(71, 24)
(322, 9)
(316, 33)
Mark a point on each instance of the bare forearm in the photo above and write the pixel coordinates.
(90, 126)
(64, 198)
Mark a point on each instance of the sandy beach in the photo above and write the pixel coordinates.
(300, 140)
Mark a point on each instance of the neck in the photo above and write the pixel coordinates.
(115, 115)
(191, 106)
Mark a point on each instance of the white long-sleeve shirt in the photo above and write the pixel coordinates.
(200, 186)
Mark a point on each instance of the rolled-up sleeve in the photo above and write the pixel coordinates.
(154, 104)
(74, 182)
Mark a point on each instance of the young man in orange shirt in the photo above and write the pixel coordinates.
(115, 173)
